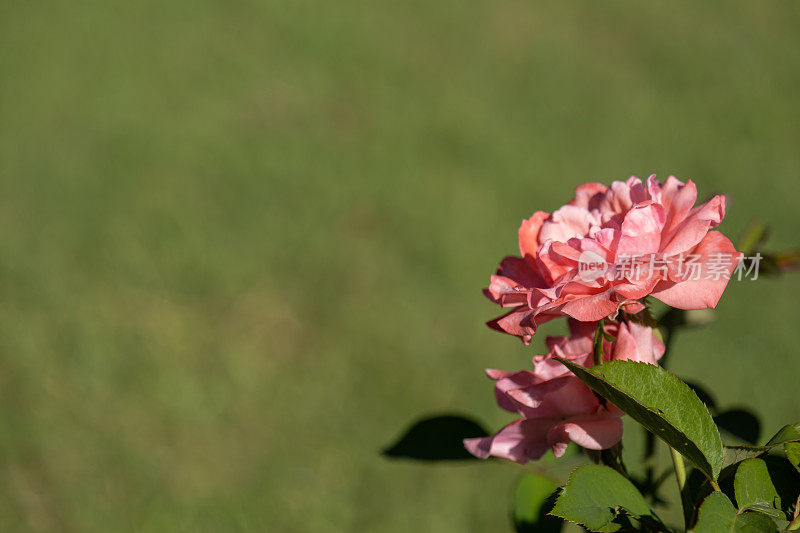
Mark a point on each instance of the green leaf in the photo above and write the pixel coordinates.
(749, 522)
(661, 403)
(786, 480)
(789, 433)
(702, 393)
(534, 496)
(792, 450)
(594, 497)
(718, 515)
(754, 488)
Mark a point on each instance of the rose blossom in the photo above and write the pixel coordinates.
(555, 405)
(632, 342)
(628, 221)
(556, 412)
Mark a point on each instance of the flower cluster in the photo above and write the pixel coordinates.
(564, 271)
(627, 220)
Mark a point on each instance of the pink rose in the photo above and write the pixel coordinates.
(632, 342)
(555, 405)
(609, 248)
(555, 412)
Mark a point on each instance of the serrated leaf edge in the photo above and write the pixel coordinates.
(719, 437)
(564, 488)
(616, 509)
(769, 445)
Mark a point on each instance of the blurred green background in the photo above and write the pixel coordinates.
(242, 243)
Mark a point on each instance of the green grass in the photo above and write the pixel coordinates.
(242, 244)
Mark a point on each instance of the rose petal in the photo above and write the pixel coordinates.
(520, 441)
(590, 432)
(701, 293)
